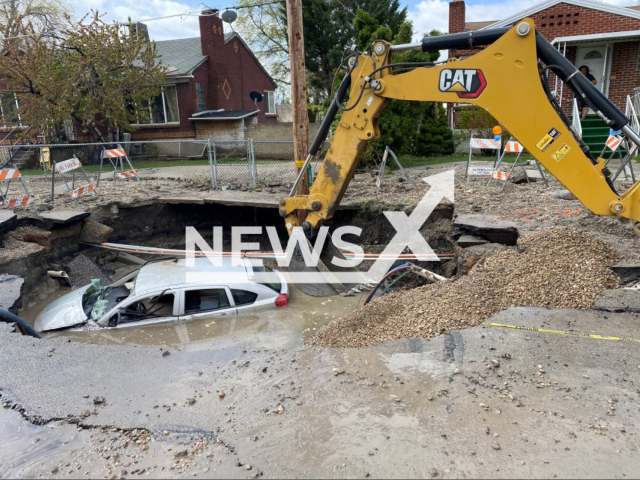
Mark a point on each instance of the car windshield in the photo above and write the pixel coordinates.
(271, 276)
(98, 299)
(97, 303)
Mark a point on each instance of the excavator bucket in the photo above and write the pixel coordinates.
(331, 285)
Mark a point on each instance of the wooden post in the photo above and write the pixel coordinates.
(298, 93)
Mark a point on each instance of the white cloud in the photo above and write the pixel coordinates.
(122, 10)
(429, 15)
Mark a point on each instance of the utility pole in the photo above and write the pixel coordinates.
(298, 92)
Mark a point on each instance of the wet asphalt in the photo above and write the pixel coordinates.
(487, 401)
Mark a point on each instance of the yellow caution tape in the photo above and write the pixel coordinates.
(560, 332)
(300, 163)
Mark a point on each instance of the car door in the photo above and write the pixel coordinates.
(149, 308)
(205, 302)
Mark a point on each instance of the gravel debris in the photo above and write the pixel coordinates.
(563, 267)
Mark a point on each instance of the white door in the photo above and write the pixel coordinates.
(594, 58)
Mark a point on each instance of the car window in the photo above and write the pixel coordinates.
(154, 306)
(277, 286)
(242, 297)
(196, 301)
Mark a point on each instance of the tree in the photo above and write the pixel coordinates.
(335, 27)
(328, 31)
(416, 128)
(95, 72)
(265, 29)
(44, 14)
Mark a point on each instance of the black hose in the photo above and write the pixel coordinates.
(7, 317)
(331, 114)
(464, 40)
(569, 74)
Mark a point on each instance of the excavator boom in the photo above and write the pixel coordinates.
(508, 79)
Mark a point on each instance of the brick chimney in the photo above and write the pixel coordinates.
(211, 32)
(457, 12)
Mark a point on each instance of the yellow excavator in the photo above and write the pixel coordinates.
(509, 78)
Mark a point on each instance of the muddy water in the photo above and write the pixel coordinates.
(276, 328)
(23, 444)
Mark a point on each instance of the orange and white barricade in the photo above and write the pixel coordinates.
(62, 169)
(78, 192)
(515, 147)
(128, 174)
(613, 142)
(8, 174)
(117, 158)
(498, 175)
(481, 144)
(512, 146)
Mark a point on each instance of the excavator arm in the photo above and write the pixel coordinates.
(508, 79)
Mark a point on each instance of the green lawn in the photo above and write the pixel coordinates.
(408, 161)
(141, 164)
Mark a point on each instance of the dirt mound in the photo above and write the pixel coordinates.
(561, 268)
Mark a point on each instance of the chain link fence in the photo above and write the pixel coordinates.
(273, 162)
(205, 164)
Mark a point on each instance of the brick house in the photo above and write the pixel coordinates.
(208, 86)
(206, 92)
(604, 37)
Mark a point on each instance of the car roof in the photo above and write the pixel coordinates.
(176, 273)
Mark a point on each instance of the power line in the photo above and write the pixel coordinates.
(350, 11)
(188, 13)
(238, 7)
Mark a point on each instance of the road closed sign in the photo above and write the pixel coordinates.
(486, 171)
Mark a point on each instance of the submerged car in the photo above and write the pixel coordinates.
(169, 291)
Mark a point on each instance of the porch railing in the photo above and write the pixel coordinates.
(633, 106)
(575, 118)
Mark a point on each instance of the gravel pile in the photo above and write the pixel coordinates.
(563, 267)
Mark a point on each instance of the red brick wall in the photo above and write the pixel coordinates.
(187, 106)
(233, 71)
(563, 20)
(624, 72)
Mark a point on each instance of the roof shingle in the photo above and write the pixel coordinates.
(180, 56)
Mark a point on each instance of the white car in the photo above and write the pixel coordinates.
(169, 291)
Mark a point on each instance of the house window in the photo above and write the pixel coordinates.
(162, 108)
(270, 103)
(69, 132)
(200, 97)
(9, 107)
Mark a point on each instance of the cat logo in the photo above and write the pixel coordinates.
(466, 83)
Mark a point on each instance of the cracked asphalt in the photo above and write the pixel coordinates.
(481, 402)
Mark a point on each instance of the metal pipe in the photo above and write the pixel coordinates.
(300, 175)
(213, 176)
(406, 46)
(631, 134)
(57, 274)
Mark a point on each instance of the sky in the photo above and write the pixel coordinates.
(426, 14)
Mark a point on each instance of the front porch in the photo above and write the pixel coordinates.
(612, 58)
